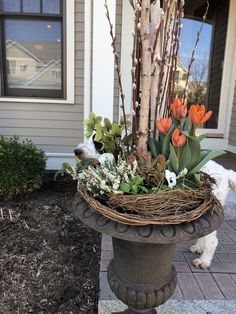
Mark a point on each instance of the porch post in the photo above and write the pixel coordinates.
(102, 60)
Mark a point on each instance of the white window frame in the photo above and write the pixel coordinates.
(69, 60)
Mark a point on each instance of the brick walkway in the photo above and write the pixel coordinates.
(210, 291)
(217, 283)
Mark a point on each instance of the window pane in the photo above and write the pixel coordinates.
(206, 74)
(31, 6)
(33, 54)
(11, 5)
(51, 6)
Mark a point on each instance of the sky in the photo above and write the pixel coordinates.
(44, 31)
(188, 38)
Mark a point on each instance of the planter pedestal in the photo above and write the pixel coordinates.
(141, 273)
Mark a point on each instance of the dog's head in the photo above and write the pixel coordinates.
(88, 150)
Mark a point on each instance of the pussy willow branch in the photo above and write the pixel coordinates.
(161, 64)
(194, 50)
(172, 38)
(174, 58)
(135, 73)
(117, 67)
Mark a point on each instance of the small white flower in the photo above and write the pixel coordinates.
(106, 157)
(171, 178)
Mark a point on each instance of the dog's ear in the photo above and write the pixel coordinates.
(98, 146)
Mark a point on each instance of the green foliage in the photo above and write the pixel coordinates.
(108, 134)
(151, 169)
(134, 186)
(187, 155)
(22, 167)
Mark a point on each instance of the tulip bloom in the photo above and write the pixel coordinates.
(179, 108)
(164, 125)
(197, 114)
(178, 139)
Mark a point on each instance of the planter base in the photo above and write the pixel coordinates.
(130, 311)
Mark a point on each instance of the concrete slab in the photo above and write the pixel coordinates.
(178, 307)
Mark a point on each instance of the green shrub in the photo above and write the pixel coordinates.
(22, 167)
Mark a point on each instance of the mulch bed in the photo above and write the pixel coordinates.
(49, 260)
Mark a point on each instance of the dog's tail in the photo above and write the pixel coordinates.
(232, 180)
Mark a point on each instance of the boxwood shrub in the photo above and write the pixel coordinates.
(22, 167)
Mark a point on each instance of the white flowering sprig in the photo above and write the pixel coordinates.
(108, 177)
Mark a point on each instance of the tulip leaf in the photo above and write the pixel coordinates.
(187, 125)
(185, 158)
(166, 142)
(195, 150)
(174, 162)
(201, 137)
(209, 156)
(197, 179)
(155, 147)
(204, 153)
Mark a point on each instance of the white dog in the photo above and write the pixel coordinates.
(225, 180)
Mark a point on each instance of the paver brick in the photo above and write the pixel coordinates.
(208, 286)
(223, 268)
(189, 287)
(224, 238)
(231, 248)
(106, 255)
(233, 276)
(103, 265)
(177, 294)
(226, 257)
(179, 257)
(232, 224)
(226, 285)
(182, 267)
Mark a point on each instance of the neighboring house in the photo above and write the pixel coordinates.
(57, 66)
(180, 79)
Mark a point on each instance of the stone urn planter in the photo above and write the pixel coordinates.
(141, 274)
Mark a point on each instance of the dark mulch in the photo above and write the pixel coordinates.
(49, 260)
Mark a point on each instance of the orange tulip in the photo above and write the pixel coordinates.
(197, 114)
(179, 108)
(164, 125)
(178, 139)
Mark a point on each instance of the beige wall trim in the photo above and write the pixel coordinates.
(103, 60)
(55, 161)
(231, 149)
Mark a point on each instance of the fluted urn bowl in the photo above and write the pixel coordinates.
(141, 273)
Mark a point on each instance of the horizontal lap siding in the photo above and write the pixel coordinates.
(56, 128)
(118, 45)
(232, 131)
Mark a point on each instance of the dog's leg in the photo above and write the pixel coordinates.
(210, 244)
(199, 246)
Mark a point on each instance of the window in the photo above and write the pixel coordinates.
(206, 74)
(31, 52)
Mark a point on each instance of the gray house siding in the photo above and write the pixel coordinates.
(56, 128)
(118, 44)
(232, 131)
